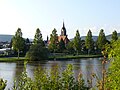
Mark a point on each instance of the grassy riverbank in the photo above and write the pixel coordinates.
(11, 59)
(63, 57)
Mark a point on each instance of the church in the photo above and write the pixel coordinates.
(63, 35)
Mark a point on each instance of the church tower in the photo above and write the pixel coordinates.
(63, 30)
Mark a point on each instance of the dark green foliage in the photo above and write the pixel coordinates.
(61, 46)
(89, 43)
(18, 42)
(101, 41)
(77, 42)
(2, 84)
(114, 36)
(37, 52)
(70, 47)
(83, 47)
(27, 45)
(53, 45)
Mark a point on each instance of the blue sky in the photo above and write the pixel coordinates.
(49, 14)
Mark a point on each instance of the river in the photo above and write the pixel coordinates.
(10, 70)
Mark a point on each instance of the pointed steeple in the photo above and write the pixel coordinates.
(47, 38)
(63, 25)
(63, 30)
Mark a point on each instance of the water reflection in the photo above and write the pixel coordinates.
(9, 71)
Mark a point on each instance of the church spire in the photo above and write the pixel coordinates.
(63, 24)
(63, 30)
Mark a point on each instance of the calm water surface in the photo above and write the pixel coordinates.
(9, 71)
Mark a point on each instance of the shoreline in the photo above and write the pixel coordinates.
(74, 57)
(15, 59)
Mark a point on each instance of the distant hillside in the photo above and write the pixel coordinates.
(109, 36)
(95, 37)
(83, 38)
(4, 38)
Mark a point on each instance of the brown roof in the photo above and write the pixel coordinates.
(65, 39)
(61, 37)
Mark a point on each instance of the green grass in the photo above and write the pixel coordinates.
(62, 57)
(11, 59)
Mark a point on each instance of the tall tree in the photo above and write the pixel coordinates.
(38, 38)
(18, 42)
(101, 41)
(114, 36)
(53, 46)
(77, 42)
(89, 43)
(37, 51)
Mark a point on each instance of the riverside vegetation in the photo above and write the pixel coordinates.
(50, 81)
(38, 49)
(65, 80)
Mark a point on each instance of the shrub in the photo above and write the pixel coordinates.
(113, 77)
(37, 52)
(53, 80)
(2, 84)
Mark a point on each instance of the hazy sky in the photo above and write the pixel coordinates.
(49, 14)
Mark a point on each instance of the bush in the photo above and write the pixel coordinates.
(37, 52)
(2, 84)
(113, 77)
(53, 80)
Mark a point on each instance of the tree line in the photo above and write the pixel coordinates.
(38, 50)
(79, 46)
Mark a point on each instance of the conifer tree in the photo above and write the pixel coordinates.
(89, 43)
(38, 38)
(18, 42)
(101, 41)
(77, 42)
(37, 51)
(114, 36)
(53, 46)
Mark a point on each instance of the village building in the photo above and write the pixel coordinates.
(63, 35)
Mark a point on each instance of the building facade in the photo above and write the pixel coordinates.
(63, 35)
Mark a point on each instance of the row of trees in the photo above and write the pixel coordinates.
(34, 51)
(87, 46)
(38, 50)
